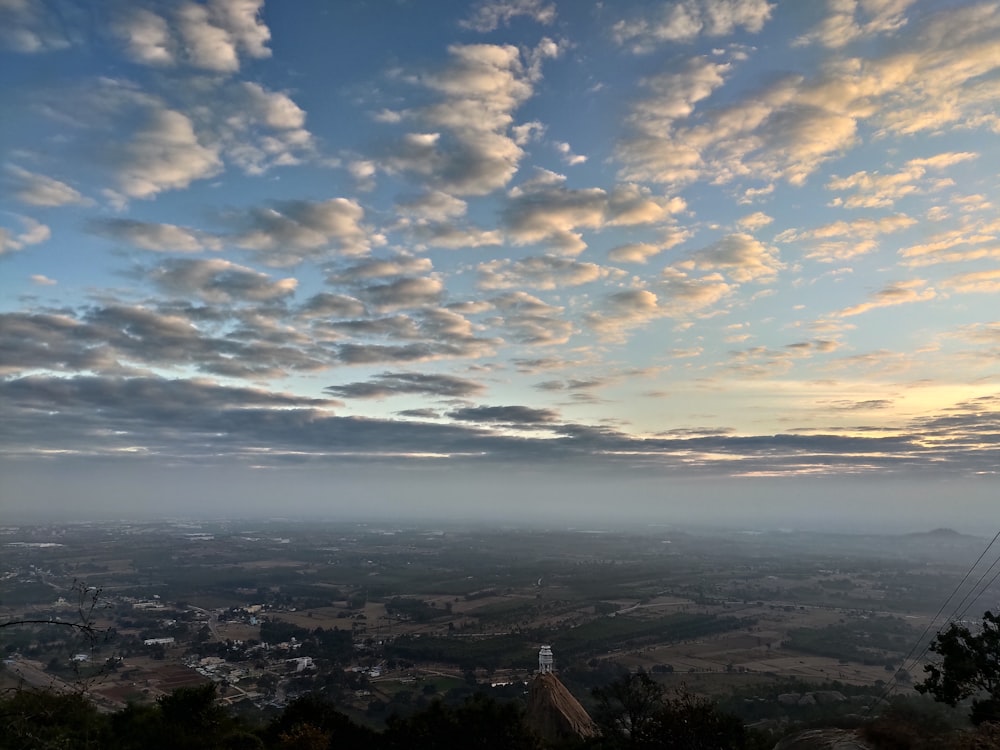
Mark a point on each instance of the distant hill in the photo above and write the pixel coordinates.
(940, 534)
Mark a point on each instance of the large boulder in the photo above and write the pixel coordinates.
(553, 714)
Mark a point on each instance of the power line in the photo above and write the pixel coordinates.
(958, 615)
(906, 660)
(985, 588)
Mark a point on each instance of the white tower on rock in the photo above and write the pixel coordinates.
(545, 660)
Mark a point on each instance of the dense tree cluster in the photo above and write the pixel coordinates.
(192, 719)
(635, 713)
(632, 713)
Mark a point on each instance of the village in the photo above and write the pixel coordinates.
(385, 620)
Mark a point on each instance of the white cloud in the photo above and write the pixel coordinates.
(257, 128)
(213, 35)
(41, 190)
(380, 268)
(547, 212)
(527, 132)
(32, 27)
(488, 15)
(675, 94)
(568, 156)
(676, 294)
(276, 109)
(531, 320)
(42, 280)
(469, 146)
(147, 37)
(842, 240)
(862, 227)
(752, 194)
(973, 241)
(165, 155)
(155, 237)
(740, 256)
(32, 233)
(754, 221)
(289, 232)
(406, 292)
(634, 252)
(363, 171)
(640, 252)
(326, 305)
(542, 272)
(210, 36)
(654, 154)
(623, 311)
(242, 21)
(433, 205)
(850, 20)
(874, 190)
(219, 281)
(789, 128)
(455, 236)
(686, 20)
(900, 293)
(684, 295)
(975, 282)
(430, 220)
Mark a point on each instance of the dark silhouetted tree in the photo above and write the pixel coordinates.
(969, 668)
(32, 719)
(626, 707)
(480, 722)
(306, 719)
(636, 712)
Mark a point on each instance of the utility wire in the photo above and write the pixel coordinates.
(906, 660)
(955, 615)
(986, 588)
(958, 615)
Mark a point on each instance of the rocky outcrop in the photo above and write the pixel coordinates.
(553, 714)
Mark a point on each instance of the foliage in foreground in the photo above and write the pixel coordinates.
(633, 713)
(637, 712)
(192, 719)
(969, 668)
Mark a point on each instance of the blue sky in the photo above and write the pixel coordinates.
(388, 249)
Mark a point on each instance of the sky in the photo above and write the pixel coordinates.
(723, 259)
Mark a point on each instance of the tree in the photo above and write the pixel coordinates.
(969, 668)
(88, 598)
(637, 713)
(626, 707)
(42, 719)
(480, 722)
(310, 717)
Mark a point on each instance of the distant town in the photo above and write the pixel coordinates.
(781, 626)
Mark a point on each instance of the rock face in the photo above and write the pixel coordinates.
(553, 714)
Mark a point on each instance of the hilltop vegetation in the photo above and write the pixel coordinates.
(634, 713)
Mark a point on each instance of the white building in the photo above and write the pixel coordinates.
(545, 660)
(301, 663)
